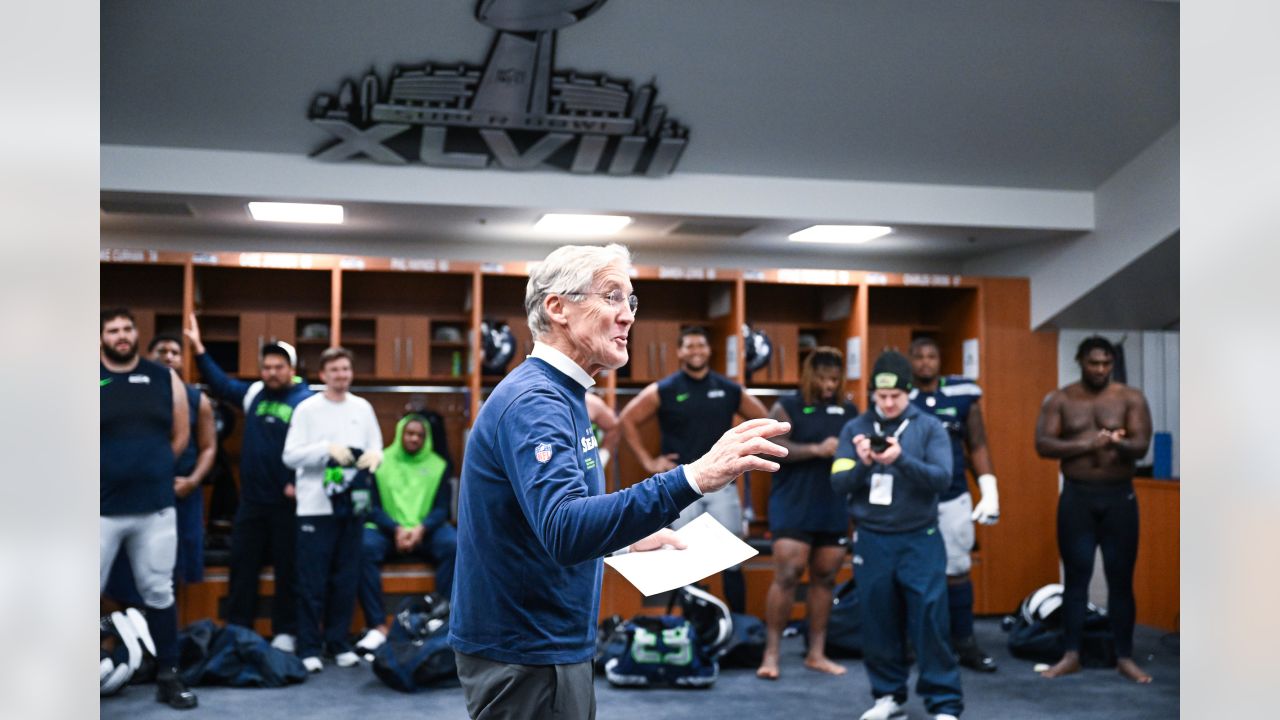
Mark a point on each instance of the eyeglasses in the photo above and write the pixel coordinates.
(614, 297)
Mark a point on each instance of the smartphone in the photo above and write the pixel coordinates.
(879, 443)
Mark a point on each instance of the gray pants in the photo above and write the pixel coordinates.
(724, 505)
(506, 691)
(956, 523)
(152, 542)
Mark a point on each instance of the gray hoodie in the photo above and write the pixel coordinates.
(920, 473)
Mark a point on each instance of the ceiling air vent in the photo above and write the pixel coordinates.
(710, 229)
(155, 208)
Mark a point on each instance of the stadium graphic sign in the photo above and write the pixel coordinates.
(516, 112)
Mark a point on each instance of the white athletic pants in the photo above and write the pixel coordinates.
(152, 542)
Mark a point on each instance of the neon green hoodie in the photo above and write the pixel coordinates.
(407, 484)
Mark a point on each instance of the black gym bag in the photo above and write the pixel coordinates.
(416, 654)
(1040, 637)
(844, 627)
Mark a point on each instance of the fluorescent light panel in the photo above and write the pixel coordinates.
(847, 234)
(296, 213)
(568, 224)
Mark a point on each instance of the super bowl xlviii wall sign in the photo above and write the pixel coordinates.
(515, 112)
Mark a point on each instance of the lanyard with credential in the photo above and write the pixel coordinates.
(897, 432)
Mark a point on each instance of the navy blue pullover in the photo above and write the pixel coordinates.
(920, 473)
(263, 473)
(534, 522)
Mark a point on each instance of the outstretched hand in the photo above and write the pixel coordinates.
(736, 452)
(192, 332)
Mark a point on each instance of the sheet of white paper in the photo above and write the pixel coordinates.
(711, 548)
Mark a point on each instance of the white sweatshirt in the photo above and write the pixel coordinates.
(318, 422)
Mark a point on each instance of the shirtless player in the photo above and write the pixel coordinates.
(1097, 429)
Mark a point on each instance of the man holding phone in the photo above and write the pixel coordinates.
(891, 465)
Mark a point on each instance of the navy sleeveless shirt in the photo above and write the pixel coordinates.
(693, 414)
(135, 459)
(800, 496)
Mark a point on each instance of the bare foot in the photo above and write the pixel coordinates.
(1070, 663)
(823, 664)
(1129, 669)
(768, 669)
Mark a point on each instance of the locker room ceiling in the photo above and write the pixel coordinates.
(998, 94)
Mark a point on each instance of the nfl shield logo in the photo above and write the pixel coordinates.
(542, 452)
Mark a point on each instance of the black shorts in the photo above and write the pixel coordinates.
(813, 539)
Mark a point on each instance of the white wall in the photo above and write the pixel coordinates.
(1135, 209)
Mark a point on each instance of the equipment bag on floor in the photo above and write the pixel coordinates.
(735, 640)
(416, 654)
(745, 648)
(412, 665)
(657, 650)
(844, 628)
(1036, 633)
(419, 617)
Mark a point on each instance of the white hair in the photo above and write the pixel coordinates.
(568, 269)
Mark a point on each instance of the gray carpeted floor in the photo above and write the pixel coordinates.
(1013, 693)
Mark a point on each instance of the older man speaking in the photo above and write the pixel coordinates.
(533, 518)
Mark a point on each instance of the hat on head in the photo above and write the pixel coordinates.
(892, 371)
(281, 346)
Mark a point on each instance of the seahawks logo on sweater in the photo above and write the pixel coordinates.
(349, 489)
(272, 410)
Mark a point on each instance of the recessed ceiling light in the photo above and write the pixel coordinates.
(850, 234)
(567, 224)
(296, 212)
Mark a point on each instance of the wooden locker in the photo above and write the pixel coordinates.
(415, 346)
(253, 335)
(282, 327)
(387, 350)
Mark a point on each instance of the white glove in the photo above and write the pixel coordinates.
(987, 511)
(370, 460)
(341, 454)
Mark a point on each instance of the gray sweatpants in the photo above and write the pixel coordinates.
(152, 542)
(506, 691)
(724, 505)
(956, 523)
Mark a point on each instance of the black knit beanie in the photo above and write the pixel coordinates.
(892, 371)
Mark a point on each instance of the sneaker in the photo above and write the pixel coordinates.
(171, 691)
(972, 656)
(346, 659)
(312, 664)
(886, 708)
(284, 642)
(371, 641)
